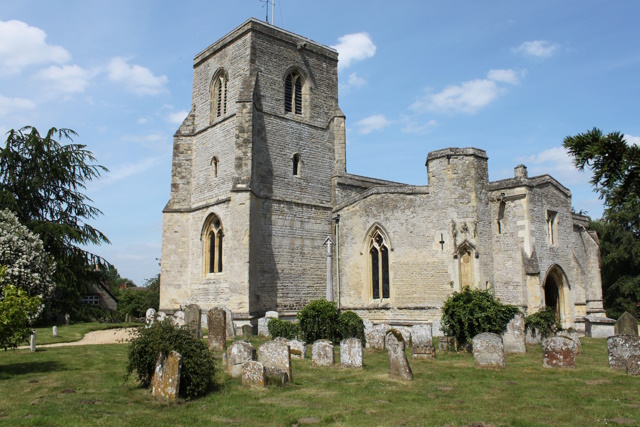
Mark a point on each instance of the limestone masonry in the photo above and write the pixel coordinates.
(263, 215)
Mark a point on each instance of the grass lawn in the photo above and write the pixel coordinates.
(74, 332)
(83, 385)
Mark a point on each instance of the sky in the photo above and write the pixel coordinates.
(511, 77)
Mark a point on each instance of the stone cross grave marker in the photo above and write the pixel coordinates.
(166, 378)
(398, 363)
(322, 353)
(626, 325)
(351, 353)
(192, 319)
(488, 351)
(217, 325)
(276, 358)
(558, 353)
(239, 353)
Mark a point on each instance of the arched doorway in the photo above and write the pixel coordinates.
(557, 294)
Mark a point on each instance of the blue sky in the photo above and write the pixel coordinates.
(511, 77)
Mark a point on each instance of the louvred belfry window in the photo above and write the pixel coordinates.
(293, 93)
(218, 95)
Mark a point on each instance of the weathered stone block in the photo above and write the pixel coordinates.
(272, 315)
(298, 349)
(276, 358)
(217, 326)
(192, 319)
(488, 351)
(633, 365)
(514, 338)
(599, 327)
(621, 348)
(436, 328)
(263, 328)
(376, 335)
(573, 336)
(398, 363)
(150, 318)
(351, 353)
(322, 353)
(626, 325)
(558, 353)
(254, 374)
(238, 354)
(166, 378)
(422, 342)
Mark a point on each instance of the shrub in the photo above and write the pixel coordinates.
(136, 302)
(284, 329)
(545, 322)
(319, 320)
(198, 364)
(351, 325)
(17, 311)
(470, 312)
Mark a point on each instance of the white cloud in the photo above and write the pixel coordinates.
(9, 105)
(371, 123)
(153, 141)
(354, 47)
(142, 120)
(505, 76)
(556, 162)
(65, 79)
(467, 97)
(177, 117)
(355, 80)
(414, 125)
(537, 48)
(632, 140)
(22, 45)
(127, 170)
(137, 79)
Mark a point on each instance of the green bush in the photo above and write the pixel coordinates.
(545, 322)
(284, 329)
(350, 325)
(319, 320)
(198, 364)
(470, 312)
(136, 302)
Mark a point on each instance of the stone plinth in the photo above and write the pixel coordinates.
(239, 353)
(254, 374)
(217, 326)
(166, 378)
(599, 327)
(422, 342)
(488, 351)
(351, 353)
(558, 353)
(298, 349)
(276, 358)
(626, 325)
(398, 363)
(621, 348)
(322, 353)
(514, 338)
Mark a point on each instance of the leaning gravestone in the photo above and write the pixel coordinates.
(247, 331)
(32, 342)
(398, 363)
(231, 331)
(558, 353)
(626, 325)
(621, 348)
(298, 349)
(488, 351)
(351, 353)
(239, 353)
(322, 353)
(422, 342)
(514, 338)
(178, 318)
(217, 328)
(276, 358)
(150, 318)
(192, 319)
(166, 378)
(254, 374)
(55, 331)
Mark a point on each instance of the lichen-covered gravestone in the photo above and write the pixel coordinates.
(626, 325)
(192, 319)
(178, 318)
(150, 318)
(322, 353)
(488, 351)
(406, 334)
(422, 342)
(621, 348)
(231, 330)
(166, 378)
(254, 374)
(263, 326)
(217, 328)
(276, 358)
(633, 365)
(573, 336)
(351, 353)
(298, 349)
(247, 331)
(558, 353)
(376, 336)
(514, 338)
(239, 353)
(398, 363)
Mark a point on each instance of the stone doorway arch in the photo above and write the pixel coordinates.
(557, 294)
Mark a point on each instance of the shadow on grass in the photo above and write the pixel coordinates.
(21, 368)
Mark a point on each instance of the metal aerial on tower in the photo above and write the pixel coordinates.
(273, 8)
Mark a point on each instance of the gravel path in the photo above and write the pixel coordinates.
(108, 336)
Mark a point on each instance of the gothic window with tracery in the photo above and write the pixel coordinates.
(379, 263)
(218, 95)
(293, 93)
(213, 243)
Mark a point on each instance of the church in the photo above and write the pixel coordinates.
(263, 215)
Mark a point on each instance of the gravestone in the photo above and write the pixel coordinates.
(514, 338)
(231, 330)
(272, 315)
(633, 365)
(351, 353)
(263, 326)
(161, 316)
(178, 318)
(32, 342)
(217, 325)
(192, 319)
(398, 363)
(558, 353)
(150, 318)
(282, 340)
(166, 378)
(621, 348)
(276, 358)
(436, 328)
(247, 331)
(67, 319)
(55, 331)
(298, 349)
(406, 334)
(488, 351)
(254, 374)
(239, 353)
(376, 336)
(626, 325)
(422, 342)
(599, 327)
(533, 336)
(322, 353)
(573, 336)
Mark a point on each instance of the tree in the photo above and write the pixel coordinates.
(615, 167)
(17, 311)
(42, 181)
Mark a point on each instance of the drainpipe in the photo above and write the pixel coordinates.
(337, 221)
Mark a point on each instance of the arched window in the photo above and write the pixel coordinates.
(293, 93)
(214, 166)
(218, 93)
(501, 209)
(379, 263)
(212, 244)
(296, 164)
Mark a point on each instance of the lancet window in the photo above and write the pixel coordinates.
(293, 93)
(218, 95)
(379, 264)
